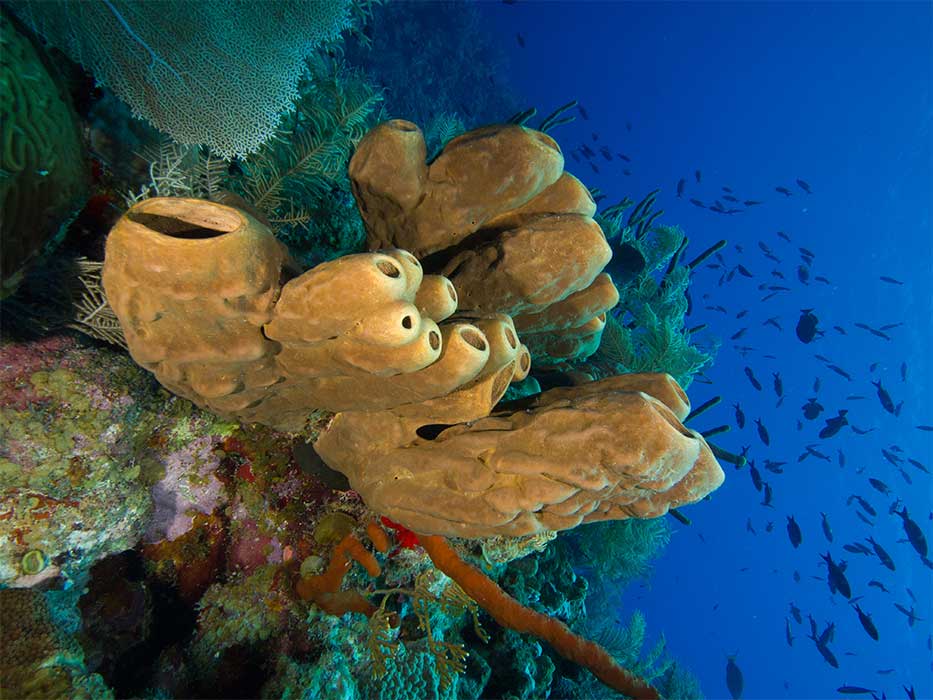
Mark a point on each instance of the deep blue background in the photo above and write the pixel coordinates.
(757, 95)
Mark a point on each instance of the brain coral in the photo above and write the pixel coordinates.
(43, 174)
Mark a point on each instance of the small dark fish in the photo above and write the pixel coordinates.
(836, 577)
(914, 534)
(795, 613)
(891, 458)
(734, 680)
(520, 39)
(628, 126)
(878, 585)
(793, 532)
(904, 475)
(775, 321)
(770, 526)
(855, 397)
(787, 633)
(769, 495)
(583, 112)
(827, 530)
(850, 689)
(883, 556)
(778, 384)
(812, 409)
(594, 168)
(605, 153)
(834, 425)
(867, 623)
(595, 136)
(841, 372)
(626, 172)
(841, 457)
(925, 428)
(827, 655)
(697, 203)
(755, 476)
(679, 516)
(864, 518)
(884, 397)
(822, 280)
(739, 416)
(698, 176)
(729, 198)
(743, 271)
(738, 334)
(681, 185)
(879, 486)
(903, 370)
(865, 505)
(742, 314)
(796, 576)
(807, 326)
(918, 465)
(911, 614)
(861, 431)
(783, 190)
(749, 527)
(811, 450)
(890, 280)
(763, 432)
(752, 378)
(622, 156)
(802, 184)
(574, 155)
(856, 548)
(840, 330)
(774, 467)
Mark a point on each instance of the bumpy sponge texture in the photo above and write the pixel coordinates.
(497, 215)
(210, 303)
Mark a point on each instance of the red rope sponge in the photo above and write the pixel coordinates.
(508, 612)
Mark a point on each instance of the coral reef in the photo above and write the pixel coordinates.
(38, 658)
(646, 331)
(619, 552)
(44, 176)
(401, 46)
(73, 424)
(203, 75)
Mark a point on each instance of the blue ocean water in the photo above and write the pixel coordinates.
(755, 96)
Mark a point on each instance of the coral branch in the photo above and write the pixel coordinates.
(510, 613)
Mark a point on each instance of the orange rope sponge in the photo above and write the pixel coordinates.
(378, 536)
(324, 589)
(508, 612)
